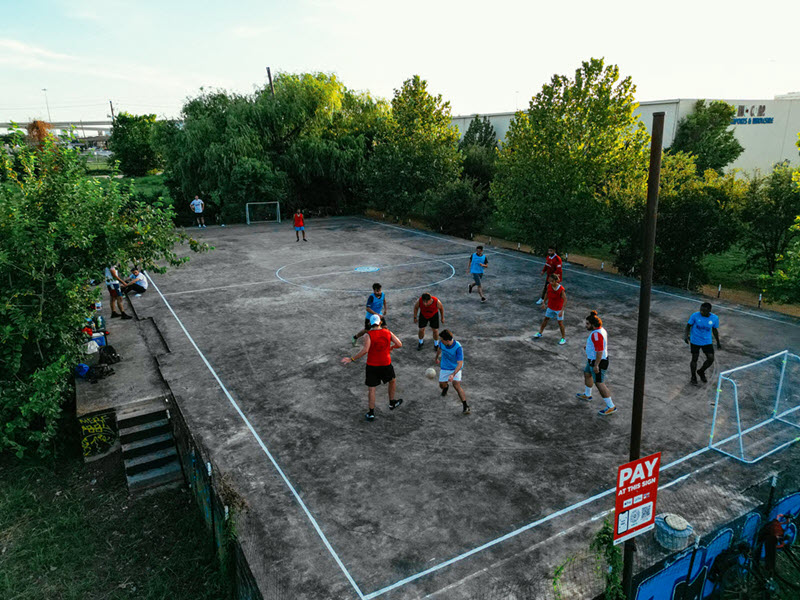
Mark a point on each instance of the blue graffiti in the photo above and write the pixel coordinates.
(674, 581)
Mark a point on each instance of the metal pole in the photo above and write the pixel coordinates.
(653, 181)
(47, 103)
(271, 87)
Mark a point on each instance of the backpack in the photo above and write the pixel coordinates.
(108, 355)
(99, 372)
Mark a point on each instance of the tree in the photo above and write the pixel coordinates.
(59, 230)
(705, 134)
(784, 284)
(417, 154)
(696, 217)
(131, 142)
(479, 133)
(576, 139)
(770, 208)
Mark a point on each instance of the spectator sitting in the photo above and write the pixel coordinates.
(136, 283)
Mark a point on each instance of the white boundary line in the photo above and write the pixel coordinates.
(261, 443)
(585, 274)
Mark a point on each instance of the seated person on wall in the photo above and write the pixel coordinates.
(137, 283)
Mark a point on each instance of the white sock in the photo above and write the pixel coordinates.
(587, 391)
(609, 402)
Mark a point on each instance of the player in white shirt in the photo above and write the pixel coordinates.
(594, 373)
(198, 206)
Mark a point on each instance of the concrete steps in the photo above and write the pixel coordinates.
(148, 448)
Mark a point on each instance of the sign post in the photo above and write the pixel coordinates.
(635, 506)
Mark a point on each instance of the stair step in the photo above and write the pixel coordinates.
(140, 418)
(150, 461)
(145, 430)
(143, 446)
(155, 477)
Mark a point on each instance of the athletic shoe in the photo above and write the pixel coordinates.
(305, 240)
(562, 341)
(114, 315)
(537, 335)
(369, 417)
(396, 404)
(702, 376)
(693, 380)
(583, 397)
(470, 287)
(607, 411)
(125, 316)
(444, 391)
(354, 340)
(540, 300)
(483, 299)
(466, 410)
(419, 346)
(204, 226)
(297, 240)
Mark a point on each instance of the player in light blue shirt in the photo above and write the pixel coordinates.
(698, 334)
(450, 358)
(376, 305)
(475, 266)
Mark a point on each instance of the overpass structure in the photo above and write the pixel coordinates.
(82, 128)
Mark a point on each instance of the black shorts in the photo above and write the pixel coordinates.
(707, 349)
(433, 322)
(378, 375)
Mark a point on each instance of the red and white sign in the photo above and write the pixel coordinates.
(637, 486)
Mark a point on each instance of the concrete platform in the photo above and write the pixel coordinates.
(424, 502)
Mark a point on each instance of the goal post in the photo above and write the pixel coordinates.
(262, 212)
(757, 408)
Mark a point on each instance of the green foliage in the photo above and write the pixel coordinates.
(696, 218)
(132, 143)
(480, 165)
(770, 207)
(479, 133)
(150, 189)
(609, 561)
(417, 153)
(58, 230)
(305, 147)
(705, 134)
(784, 284)
(578, 137)
(457, 208)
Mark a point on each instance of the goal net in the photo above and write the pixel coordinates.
(757, 408)
(263, 212)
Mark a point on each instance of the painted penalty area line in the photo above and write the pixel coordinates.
(260, 443)
(592, 275)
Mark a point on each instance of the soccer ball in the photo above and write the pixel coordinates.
(430, 373)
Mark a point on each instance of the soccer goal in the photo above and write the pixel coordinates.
(757, 408)
(263, 212)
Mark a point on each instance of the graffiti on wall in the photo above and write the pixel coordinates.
(673, 579)
(98, 433)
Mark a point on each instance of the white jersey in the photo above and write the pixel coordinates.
(141, 280)
(197, 205)
(597, 344)
(110, 279)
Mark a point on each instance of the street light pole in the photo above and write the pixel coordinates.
(49, 118)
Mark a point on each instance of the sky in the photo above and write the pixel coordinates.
(149, 56)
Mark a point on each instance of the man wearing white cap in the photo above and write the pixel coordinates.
(378, 345)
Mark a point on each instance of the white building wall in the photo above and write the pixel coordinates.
(767, 129)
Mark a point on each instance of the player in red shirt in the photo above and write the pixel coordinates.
(299, 225)
(378, 345)
(552, 265)
(556, 301)
(431, 313)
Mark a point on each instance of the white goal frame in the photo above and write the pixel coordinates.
(247, 212)
(778, 415)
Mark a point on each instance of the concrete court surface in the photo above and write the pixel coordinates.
(422, 484)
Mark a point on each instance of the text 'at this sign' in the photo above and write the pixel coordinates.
(637, 486)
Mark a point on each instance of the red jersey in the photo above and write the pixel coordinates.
(552, 264)
(555, 300)
(379, 342)
(430, 310)
(298, 220)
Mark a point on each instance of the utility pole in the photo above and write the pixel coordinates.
(49, 118)
(271, 87)
(111, 104)
(653, 181)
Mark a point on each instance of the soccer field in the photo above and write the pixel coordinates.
(424, 502)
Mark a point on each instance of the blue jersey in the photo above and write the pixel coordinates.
(376, 303)
(701, 328)
(477, 263)
(451, 355)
